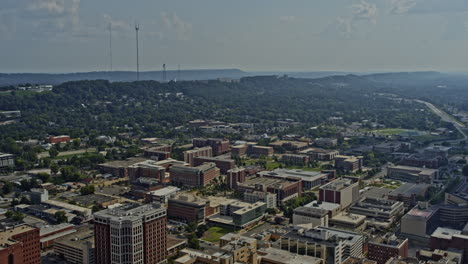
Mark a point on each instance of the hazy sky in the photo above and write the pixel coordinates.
(255, 35)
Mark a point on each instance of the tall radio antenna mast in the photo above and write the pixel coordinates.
(110, 44)
(137, 28)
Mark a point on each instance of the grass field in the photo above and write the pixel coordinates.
(214, 233)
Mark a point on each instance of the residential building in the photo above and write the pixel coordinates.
(341, 191)
(258, 196)
(221, 162)
(235, 176)
(259, 151)
(19, 244)
(381, 249)
(349, 163)
(218, 145)
(239, 150)
(78, 247)
(409, 193)
(331, 245)
(319, 154)
(194, 176)
(131, 234)
(7, 160)
(189, 155)
(412, 174)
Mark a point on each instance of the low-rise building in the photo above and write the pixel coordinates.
(331, 245)
(258, 196)
(7, 160)
(447, 238)
(348, 221)
(77, 247)
(409, 193)
(38, 196)
(412, 174)
(381, 249)
(379, 209)
(309, 179)
(161, 195)
(310, 215)
(319, 154)
(439, 256)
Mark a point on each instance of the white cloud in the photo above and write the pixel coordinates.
(287, 18)
(118, 25)
(174, 24)
(401, 6)
(365, 11)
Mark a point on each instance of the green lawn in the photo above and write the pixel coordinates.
(391, 131)
(214, 233)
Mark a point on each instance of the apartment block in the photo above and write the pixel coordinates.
(218, 145)
(189, 155)
(235, 176)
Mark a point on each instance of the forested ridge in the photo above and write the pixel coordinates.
(152, 108)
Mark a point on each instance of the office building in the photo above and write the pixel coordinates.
(221, 162)
(161, 195)
(319, 154)
(242, 213)
(412, 174)
(310, 215)
(218, 145)
(38, 196)
(193, 176)
(188, 208)
(381, 249)
(295, 159)
(419, 223)
(78, 247)
(330, 244)
(146, 169)
(379, 209)
(341, 191)
(409, 193)
(20, 244)
(447, 238)
(189, 155)
(284, 190)
(235, 176)
(348, 221)
(258, 196)
(131, 234)
(349, 163)
(309, 179)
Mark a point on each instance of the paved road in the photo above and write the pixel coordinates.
(446, 117)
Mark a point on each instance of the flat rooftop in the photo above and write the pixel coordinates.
(287, 173)
(91, 199)
(422, 213)
(165, 191)
(318, 150)
(344, 217)
(409, 189)
(337, 185)
(5, 235)
(323, 205)
(78, 238)
(418, 170)
(130, 211)
(445, 233)
(283, 256)
(122, 163)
